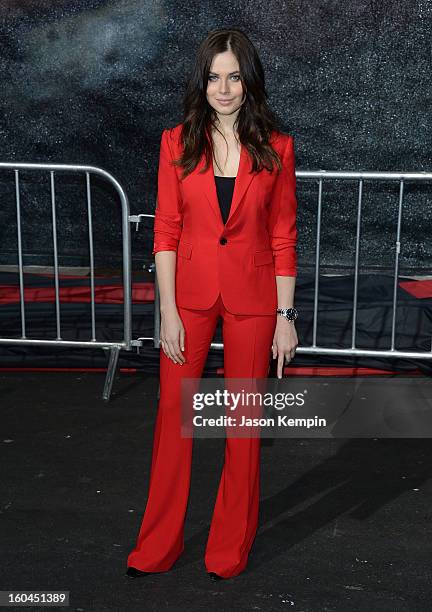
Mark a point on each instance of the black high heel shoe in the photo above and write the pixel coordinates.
(214, 576)
(133, 572)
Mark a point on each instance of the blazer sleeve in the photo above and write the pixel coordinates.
(168, 214)
(283, 212)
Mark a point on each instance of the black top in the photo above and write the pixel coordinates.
(225, 188)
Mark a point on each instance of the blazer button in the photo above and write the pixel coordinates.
(223, 241)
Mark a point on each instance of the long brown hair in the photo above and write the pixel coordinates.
(255, 121)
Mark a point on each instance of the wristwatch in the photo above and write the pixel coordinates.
(290, 314)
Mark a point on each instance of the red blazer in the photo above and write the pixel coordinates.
(241, 259)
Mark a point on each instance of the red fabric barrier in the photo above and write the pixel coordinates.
(104, 294)
(419, 289)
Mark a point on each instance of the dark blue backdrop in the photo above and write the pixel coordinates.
(96, 82)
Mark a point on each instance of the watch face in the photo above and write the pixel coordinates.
(290, 314)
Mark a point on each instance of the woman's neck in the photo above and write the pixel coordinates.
(225, 125)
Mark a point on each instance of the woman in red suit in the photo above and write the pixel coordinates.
(225, 246)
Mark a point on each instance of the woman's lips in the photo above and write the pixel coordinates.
(224, 102)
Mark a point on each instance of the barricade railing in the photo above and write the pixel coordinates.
(113, 347)
(127, 343)
(353, 351)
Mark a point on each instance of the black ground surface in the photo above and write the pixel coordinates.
(344, 524)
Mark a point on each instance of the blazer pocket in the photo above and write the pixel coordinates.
(263, 257)
(184, 249)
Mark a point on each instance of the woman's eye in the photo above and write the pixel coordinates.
(236, 77)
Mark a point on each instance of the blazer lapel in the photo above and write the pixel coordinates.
(242, 182)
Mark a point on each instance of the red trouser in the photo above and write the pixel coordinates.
(247, 344)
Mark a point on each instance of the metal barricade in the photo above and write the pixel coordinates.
(127, 343)
(353, 351)
(113, 347)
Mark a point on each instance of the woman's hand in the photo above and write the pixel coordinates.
(172, 334)
(285, 342)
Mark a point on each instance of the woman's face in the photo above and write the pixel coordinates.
(224, 87)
